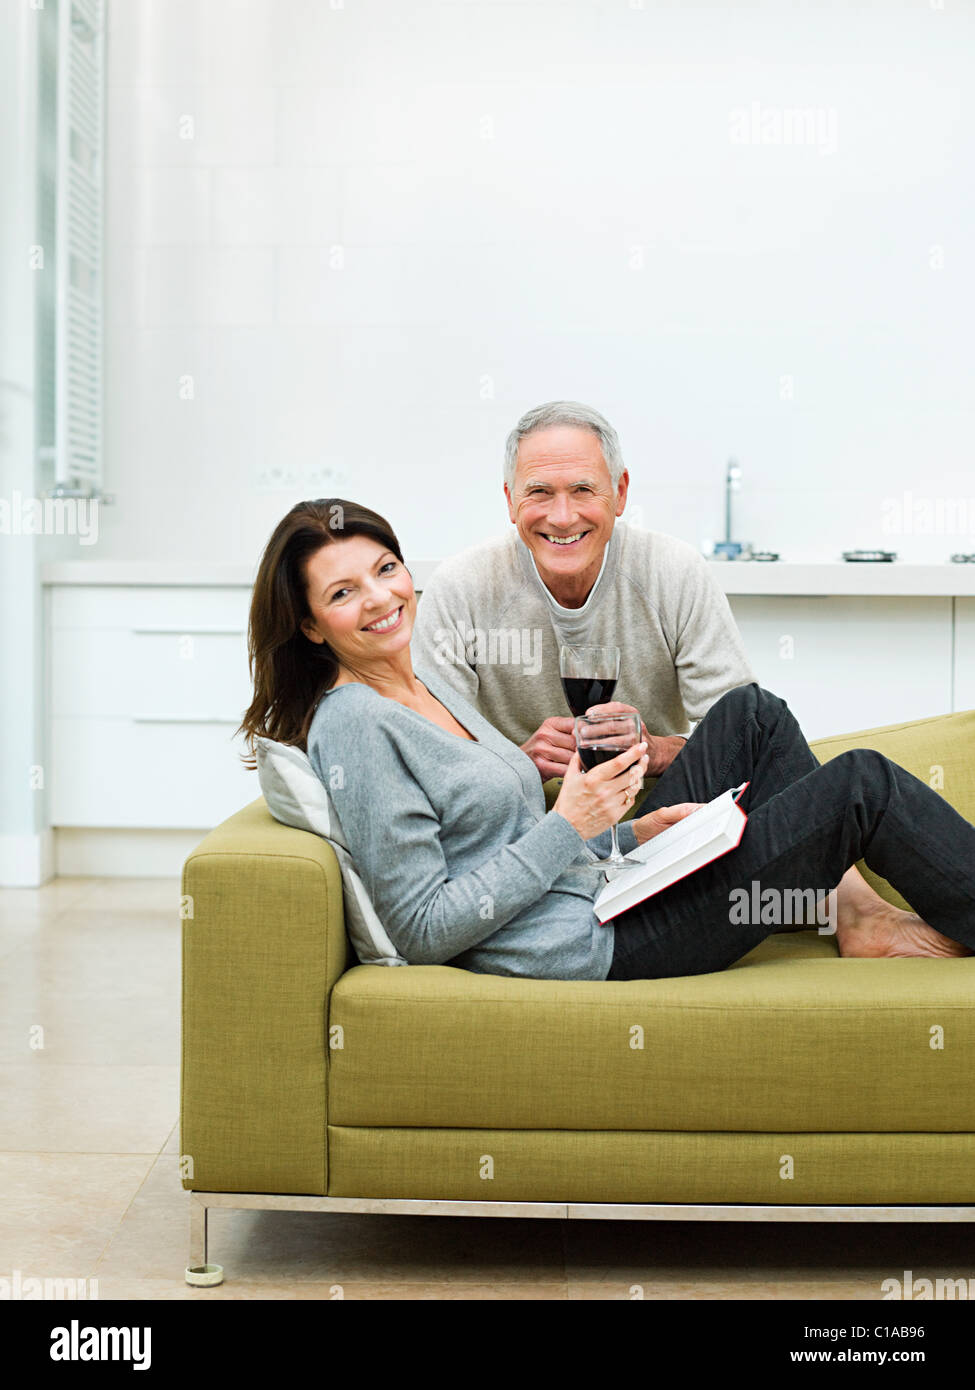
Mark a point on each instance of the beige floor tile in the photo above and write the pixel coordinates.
(90, 956)
(58, 1211)
(52, 1030)
(681, 1289)
(586, 1291)
(135, 895)
(231, 1290)
(48, 901)
(24, 912)
(92, 989)
(177, 1290)
(87, 1109)
(459, 1291)
(19, 930)
(172, 1143)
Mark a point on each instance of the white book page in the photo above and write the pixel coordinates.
(686, 829)
(687, 841)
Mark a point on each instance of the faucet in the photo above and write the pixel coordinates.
(729, 549)
(732, 483)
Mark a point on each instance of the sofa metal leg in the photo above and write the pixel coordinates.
(198, 1272)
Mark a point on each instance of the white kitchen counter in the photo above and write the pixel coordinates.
(891, 579)
(888, 580)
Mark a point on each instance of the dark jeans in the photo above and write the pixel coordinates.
(807, 824)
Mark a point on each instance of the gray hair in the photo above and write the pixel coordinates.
(565, 413)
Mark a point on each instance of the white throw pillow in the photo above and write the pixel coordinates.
(296, 796)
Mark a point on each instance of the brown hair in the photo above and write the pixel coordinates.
(291, 672)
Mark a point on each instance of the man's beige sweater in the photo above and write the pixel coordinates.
(489, 626)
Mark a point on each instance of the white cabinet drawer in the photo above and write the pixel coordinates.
(147, 687)
(107, 672)
(166, 775)
(142, 607)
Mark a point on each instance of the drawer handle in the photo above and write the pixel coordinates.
(188, 631)
(182, 719)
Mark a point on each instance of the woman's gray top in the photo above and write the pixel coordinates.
(453, 843)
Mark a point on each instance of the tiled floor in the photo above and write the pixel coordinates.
(89, 1185)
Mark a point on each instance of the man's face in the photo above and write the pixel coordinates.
(564, 504)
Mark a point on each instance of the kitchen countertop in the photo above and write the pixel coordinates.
(887, 579)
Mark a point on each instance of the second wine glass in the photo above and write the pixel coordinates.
(589, 675)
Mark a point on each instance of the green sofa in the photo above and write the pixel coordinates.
(794, 1085)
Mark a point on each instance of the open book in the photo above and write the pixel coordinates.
(679, 850)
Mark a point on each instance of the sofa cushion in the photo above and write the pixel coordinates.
(296, 796)
(615, 1168)
(790, 1038)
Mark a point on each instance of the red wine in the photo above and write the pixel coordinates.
(581, 693)
(593, 757)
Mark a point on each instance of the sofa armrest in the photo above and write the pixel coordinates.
(262, 949)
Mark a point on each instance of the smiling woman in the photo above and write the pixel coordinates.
(333, 605)
(298, 589)
(363, 604)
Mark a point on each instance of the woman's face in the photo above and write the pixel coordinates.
(361, 599)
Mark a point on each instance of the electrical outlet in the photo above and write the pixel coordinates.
(328, 478)
(276, 477)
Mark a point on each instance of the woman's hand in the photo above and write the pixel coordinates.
(645, 827)
(593, 801)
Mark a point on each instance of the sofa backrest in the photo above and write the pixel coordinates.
(939, 750)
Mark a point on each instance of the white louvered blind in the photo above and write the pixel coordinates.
(80, 189)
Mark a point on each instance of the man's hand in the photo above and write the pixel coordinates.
(661, 749)
(551, 746)
(646, 827)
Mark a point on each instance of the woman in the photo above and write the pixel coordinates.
(447, 823)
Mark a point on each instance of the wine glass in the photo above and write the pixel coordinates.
(599, 738)
(589, 675)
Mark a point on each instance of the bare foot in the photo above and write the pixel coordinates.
(887, 931)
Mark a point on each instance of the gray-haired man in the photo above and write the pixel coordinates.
(492, 618)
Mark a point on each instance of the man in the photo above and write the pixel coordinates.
(491, 619)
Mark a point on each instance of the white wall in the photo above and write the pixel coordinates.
(401, 223)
